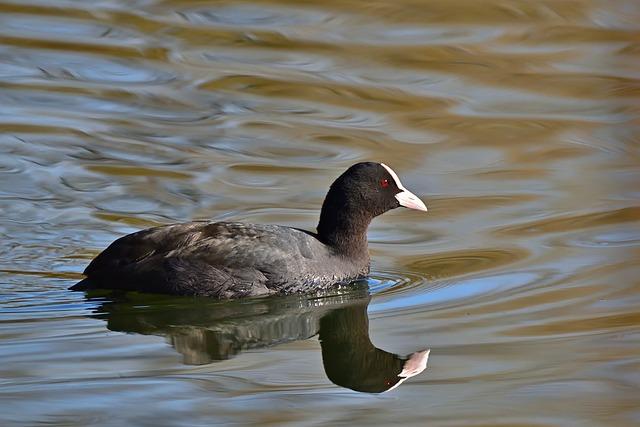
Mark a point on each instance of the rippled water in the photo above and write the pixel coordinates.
(516, 121)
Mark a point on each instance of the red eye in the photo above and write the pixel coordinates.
(384, 183)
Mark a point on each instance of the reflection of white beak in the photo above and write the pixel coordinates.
(405, 197)
(415, 364)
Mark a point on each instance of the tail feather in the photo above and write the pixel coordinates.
(84, 285)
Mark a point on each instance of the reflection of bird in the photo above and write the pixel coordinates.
(352, 361)
(204, 330)
(231, 260)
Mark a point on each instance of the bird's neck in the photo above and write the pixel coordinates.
(344, 228)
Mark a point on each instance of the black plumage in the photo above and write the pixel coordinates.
(233, 260)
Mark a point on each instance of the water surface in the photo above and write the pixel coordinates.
(516, 121)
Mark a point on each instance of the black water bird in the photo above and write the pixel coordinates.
(233, 260)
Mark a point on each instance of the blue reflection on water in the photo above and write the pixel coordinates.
(463, 289)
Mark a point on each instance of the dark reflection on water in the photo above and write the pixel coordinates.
(351, 360)
(204, 331)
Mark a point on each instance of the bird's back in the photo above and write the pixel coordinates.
(222, 259)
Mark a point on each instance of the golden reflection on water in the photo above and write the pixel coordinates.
(516, 121)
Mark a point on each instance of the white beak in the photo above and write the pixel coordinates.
(406, 198)
(409, 200)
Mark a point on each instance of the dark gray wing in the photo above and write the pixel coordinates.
(221, 259)
(141, 245)
(226, 244)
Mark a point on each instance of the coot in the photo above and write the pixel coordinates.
(233, 259)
